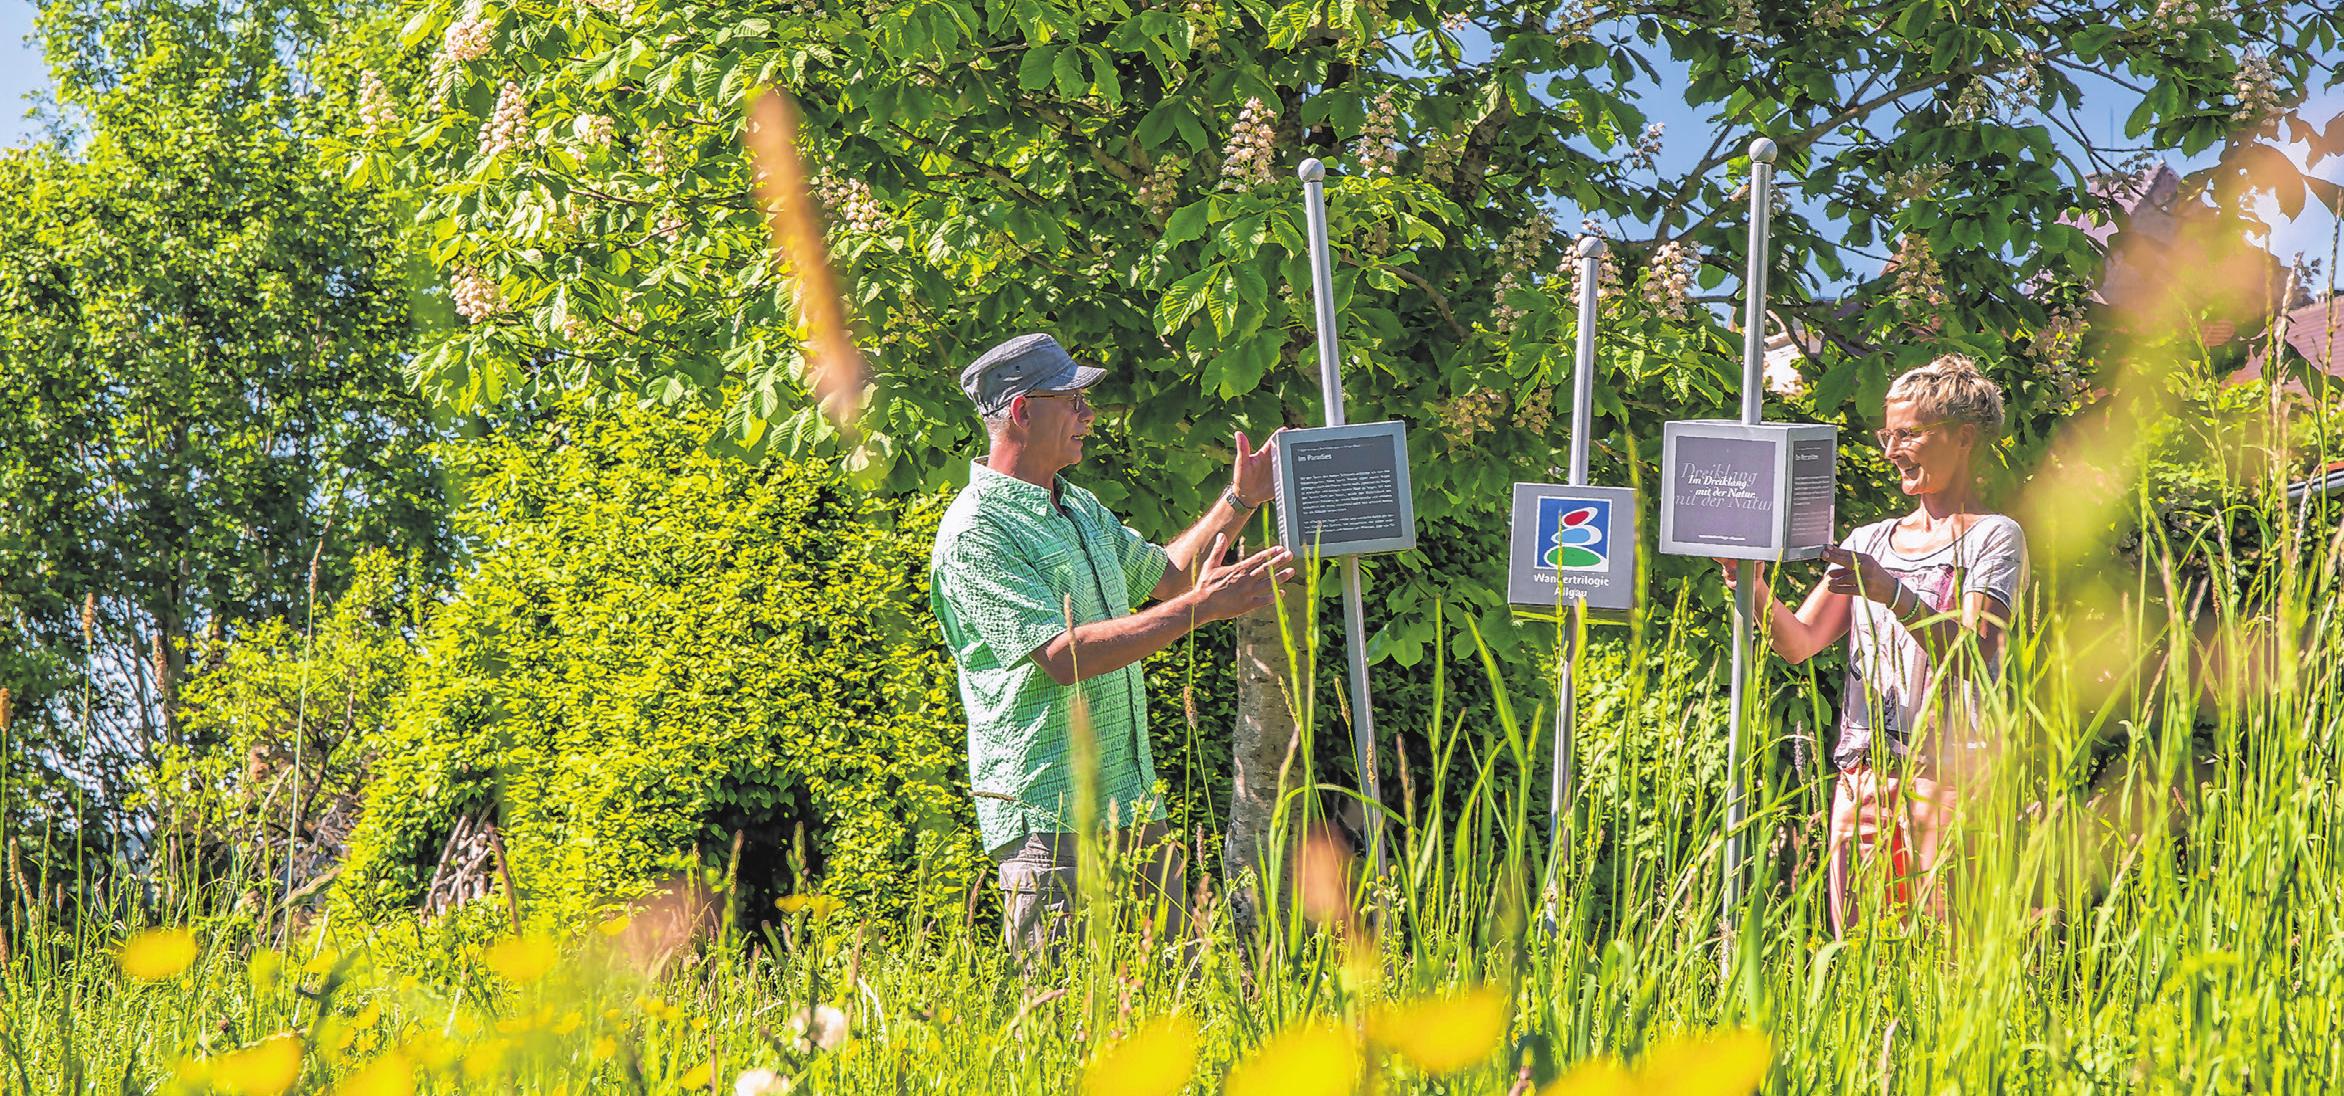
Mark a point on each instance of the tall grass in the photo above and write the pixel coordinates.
(2143, 893)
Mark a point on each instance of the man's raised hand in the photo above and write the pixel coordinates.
(1254, 475)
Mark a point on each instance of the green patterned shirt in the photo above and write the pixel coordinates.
(1007, 564)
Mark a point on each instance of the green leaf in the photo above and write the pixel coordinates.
(1182, 300)
(1287, 26)
(1187, 223)
(1066, 69)
(1033, 70)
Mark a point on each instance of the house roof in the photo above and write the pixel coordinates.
(2315, 332)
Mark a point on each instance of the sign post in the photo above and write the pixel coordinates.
(1746, 571)
(1747, 491)
(1573, 555)
(1322, 283)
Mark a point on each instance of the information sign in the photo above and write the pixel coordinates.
(1737, 491)
(1345, 491)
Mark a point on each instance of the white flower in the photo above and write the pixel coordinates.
(593, 129)
(1516, 257)
(1647, 146)
(1159, 193)
(1250, 158)
(475, 294)
(2257, 88)
(1378, 155)
(508, 125)
(1918, 278)
(761, 1082)
(1668, 279)
(656, 151)
(851, 203)
(376, 111)
(821, 1028)
(467, 39)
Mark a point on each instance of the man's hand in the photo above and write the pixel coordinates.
(1226, 592)
(1254, 475)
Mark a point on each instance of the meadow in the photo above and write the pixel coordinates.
(2144, 897)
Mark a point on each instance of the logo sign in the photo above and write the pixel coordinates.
(1574, 534)
(1573, 545)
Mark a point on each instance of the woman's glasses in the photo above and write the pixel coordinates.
(1899, 436)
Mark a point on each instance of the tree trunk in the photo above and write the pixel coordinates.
(1259, 749)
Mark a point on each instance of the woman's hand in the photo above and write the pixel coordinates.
(1860, 575)
(1727, 567)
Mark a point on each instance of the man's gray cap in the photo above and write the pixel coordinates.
(1022, 366)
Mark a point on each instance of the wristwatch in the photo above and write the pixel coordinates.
(1230, 496)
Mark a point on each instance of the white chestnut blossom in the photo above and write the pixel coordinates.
(593, 130)
(851, 203)
(1378, 152)
(1668, 279)
(1250, 158)
(507, 125)
(1516, 257)
(1159, 193)
(467, 38)
(475, 294)
(2257, 89)
(376, 111)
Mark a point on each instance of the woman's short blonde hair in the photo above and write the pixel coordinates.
(1951, 389)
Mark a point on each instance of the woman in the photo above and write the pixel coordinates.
(1925, 601)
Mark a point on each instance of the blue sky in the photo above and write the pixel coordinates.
(22, 73)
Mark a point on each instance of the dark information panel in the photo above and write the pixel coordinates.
(1725, 492)
(1344, 490)
(1814, 482)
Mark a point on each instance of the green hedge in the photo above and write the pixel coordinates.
(655, 649)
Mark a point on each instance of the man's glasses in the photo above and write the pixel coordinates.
(1082, 402)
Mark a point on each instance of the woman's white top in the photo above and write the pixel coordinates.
(1890, 679)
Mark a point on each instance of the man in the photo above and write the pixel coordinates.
(1039, 589)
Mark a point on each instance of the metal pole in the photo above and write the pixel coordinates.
(1567, 645)
(1322, 283)
(1571, 616)
(1746, 571)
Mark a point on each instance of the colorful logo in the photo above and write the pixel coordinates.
(1574, 534)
